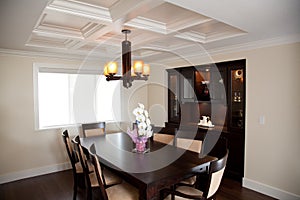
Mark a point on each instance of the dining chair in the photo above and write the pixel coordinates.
(78, 174)
(122, 191)
(93, 129)
(164, 138)
(217, 151)
(191, 145)
(108, 177)
(215, 174)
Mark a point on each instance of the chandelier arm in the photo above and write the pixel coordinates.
(113, 78)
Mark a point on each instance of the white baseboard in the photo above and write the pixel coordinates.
(33, 172)
(269, 190)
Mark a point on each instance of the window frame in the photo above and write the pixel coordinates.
(58, 68)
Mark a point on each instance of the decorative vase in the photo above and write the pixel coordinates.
(139, 141)
(140, 146)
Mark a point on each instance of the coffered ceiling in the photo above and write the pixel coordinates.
(159, 28)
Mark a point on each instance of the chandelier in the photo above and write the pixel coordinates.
(139, 71)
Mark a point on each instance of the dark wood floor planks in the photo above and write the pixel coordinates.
(59, 186)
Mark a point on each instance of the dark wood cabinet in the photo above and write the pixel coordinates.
(201, 90)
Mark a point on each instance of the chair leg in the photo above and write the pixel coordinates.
(89, 193)
(81, 181)
(75, 187)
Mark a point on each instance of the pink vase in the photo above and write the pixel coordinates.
(140, 146)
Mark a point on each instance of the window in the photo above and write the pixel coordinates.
(66, 97)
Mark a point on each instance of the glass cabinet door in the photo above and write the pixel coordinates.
(218, 85)
(202, 83)
(237, 98)
(174, 110)
(187, 85)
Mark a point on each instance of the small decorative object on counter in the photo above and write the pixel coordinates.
(206, 122)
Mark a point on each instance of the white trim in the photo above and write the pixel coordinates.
(269, 190)
(35, 96)
(237, 48)
(33, 172)
(81, 9)
(34, 54)
(223, 50)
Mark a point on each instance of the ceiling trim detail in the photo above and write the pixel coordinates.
(80, 9)
(225, 50)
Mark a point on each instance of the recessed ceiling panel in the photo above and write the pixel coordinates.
(169, 43)
(169, 14)
(210, 31)
(64, 20)
(102, 3)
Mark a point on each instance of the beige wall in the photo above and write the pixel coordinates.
(24, 150)
(272, 149)
(272, 91)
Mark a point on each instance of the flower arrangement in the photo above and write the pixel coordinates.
(143, 129)
(143, 121)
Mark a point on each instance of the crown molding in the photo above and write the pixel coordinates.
(41, 54)
(81, 9)
(256, 44)
(229, 49)
(238, 48)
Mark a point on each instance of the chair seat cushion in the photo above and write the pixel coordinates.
(189, 190)
(185, 190)
(110, 178)
(189, 181)
(122, 191)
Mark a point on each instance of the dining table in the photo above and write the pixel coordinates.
(162, 167)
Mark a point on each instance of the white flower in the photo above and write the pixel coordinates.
(148, 122)
(140, 118)
(141, 106)
(138, 111)
(146, 113)
(143, 121)
(149, 128)
(142, 132)
(142, 126)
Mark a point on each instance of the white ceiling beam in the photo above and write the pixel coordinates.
(124, 11)
(81, 9)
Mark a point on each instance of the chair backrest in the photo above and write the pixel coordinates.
(98, 171)
(189, 144)
(215, 174)
(69, 148)
(79, 153)
(185, 139)
(82, 158)
(164, 138)
(220, 148)
(93, 129)
(214, 144)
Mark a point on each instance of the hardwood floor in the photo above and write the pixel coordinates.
(59, 186)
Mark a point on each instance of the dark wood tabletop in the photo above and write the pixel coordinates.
(162, 167)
